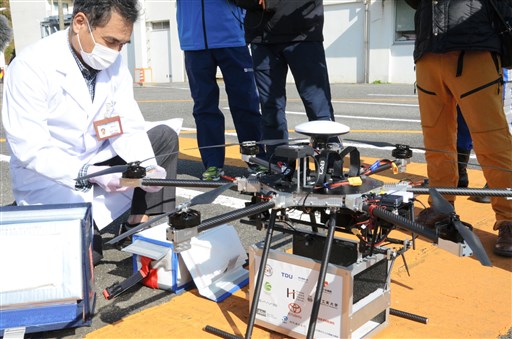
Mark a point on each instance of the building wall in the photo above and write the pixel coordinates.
(389, 60)
(26, 19)
(359, 40)
(345, 49)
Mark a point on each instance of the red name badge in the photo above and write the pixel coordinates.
(108, 128)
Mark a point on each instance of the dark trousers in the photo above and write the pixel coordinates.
(464, 141)
(235, 64)
(306, 61)
(165, 143)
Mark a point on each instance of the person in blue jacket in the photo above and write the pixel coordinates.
(211, 34)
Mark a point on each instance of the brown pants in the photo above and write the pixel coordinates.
(473, 81)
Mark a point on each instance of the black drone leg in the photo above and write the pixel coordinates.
(312, 218)
(321, 276)
(261, 274)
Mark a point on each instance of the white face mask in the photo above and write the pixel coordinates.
(101, 57)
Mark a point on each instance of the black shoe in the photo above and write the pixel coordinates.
(96, 258)
(503, 246)
(462, 164)
(123, 228)
(481, 199)
(97, 246)
(429, 217)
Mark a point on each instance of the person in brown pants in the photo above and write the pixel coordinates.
(457, 63)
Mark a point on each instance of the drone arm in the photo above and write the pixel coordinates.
(171, 183)
(506, 192)
(460, 249)
(236, 215)
(400, 221)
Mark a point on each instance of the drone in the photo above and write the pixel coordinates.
(325, 181)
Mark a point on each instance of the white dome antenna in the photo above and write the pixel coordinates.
(322, 128)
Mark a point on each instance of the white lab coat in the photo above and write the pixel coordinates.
(48, 117)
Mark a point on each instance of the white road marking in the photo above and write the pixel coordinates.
(361, 117)
(373, 103)
(356, 116)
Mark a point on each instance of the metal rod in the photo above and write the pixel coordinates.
(220, 333)
(321, 276)
(408, 315)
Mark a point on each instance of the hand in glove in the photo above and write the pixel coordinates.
(154, 172)
(109, 182)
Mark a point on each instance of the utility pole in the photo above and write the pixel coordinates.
(61, 16)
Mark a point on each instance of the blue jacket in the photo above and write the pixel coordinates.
(206, 24)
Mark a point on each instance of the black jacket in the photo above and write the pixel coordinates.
(454, 25)
(283, 21)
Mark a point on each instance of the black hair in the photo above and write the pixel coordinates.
(99, 12)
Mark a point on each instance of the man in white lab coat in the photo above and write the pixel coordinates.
(69, 110)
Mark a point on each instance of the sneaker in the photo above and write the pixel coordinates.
(213, 173)
(257, 169)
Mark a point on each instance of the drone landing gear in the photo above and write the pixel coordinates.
(258, 286)
(366, 280)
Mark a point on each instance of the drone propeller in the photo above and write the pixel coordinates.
(381, 144)
(135, 164)
(112, 169)
(201, 199)
(441, 205)
(267, 142)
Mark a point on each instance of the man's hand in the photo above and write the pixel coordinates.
(109, 182)
(262, 3)
(154, 172)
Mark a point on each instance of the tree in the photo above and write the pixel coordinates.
(5, 32)
(7, 13)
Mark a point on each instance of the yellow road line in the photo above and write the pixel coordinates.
(353, 131)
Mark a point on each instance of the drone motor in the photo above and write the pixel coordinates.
(134, 171)
(403, 155)
(189, 218)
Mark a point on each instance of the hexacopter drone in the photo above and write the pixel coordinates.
(315, 178)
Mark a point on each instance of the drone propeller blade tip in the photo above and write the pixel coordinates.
(110, 170)
(473, 242)
(439, 203)
(210, 196)
(138, 228)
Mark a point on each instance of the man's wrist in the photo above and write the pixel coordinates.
(83, 184)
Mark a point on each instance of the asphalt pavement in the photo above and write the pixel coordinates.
(385, 114)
